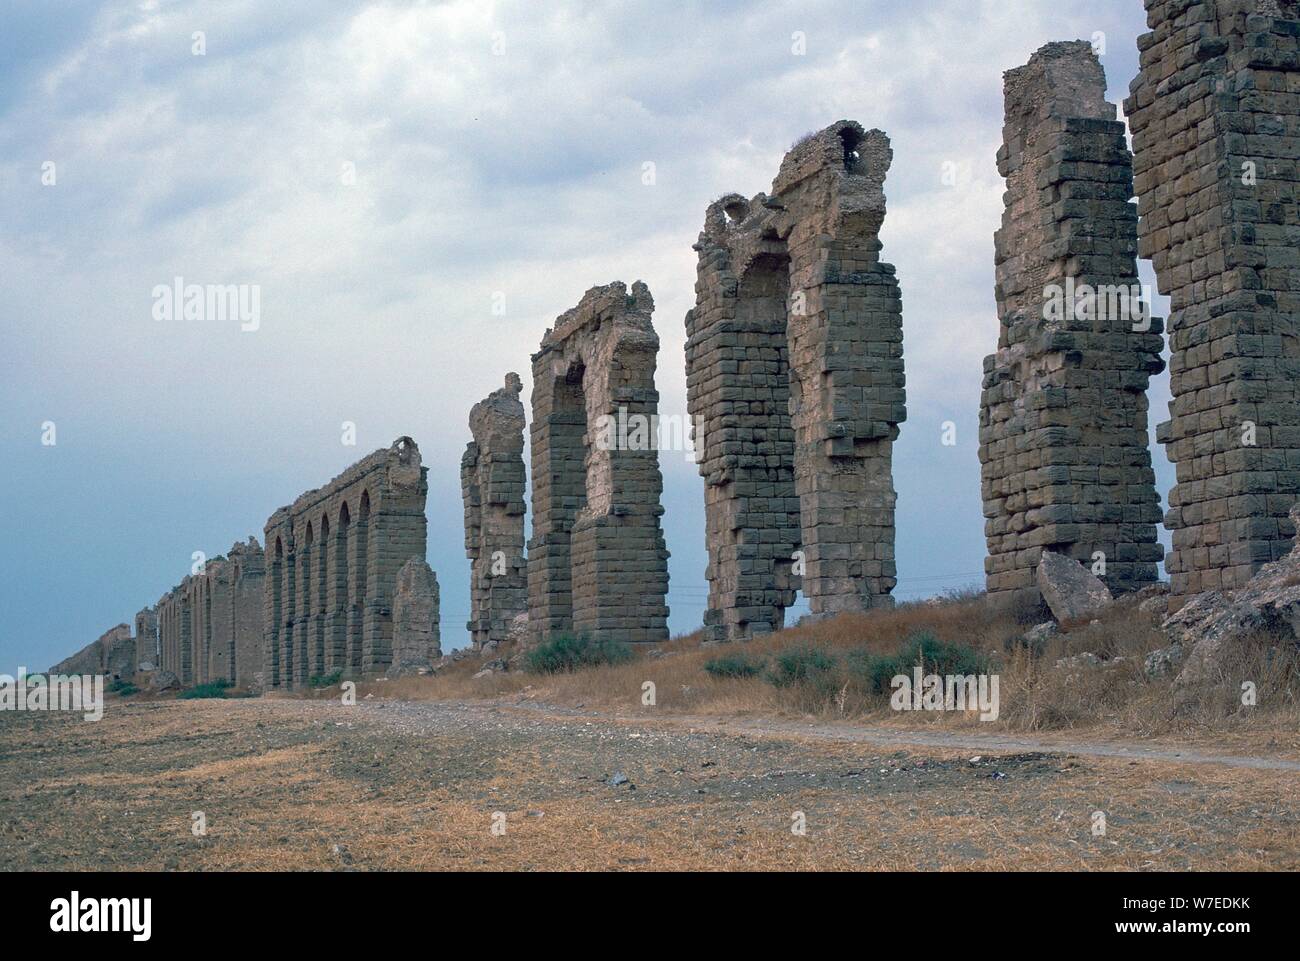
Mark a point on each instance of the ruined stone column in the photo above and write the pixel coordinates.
(597, 561)
(146, 639)
(795, 384)
(1215, 116)
(416, 635)
(1064, 450)
(492, 485)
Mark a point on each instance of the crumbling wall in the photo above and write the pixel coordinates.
(1215, 117)
(1064, 449)
(597, 560)
(795, 384)
(112, 654)
(492, 485)
(331, 568)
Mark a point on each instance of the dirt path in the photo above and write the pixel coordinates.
(890, 737)
(311, 784)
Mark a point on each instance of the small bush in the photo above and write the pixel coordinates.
(211, 689)
(922, 648)
(325, 680)
(875, 671)
(566, 654)
(734, 665)
(799, 664)
(124, 688)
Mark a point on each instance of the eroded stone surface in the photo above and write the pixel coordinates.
(416, 641)
(1064, 450)
(597, 560)
(1215, 116)
(492, 486)
(794, 363)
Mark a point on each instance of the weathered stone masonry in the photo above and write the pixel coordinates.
(210, 625)
(794, 361)
(226, 603)
(1064, 450)
(492, 485)
(146, 638)
(1215, 116)
(332, 559)
(597, 561)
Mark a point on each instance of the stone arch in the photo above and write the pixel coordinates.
(596, 491)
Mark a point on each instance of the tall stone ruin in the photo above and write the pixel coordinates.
(597, 560)
(1215, 116)
(332, 561)
(492, 485)
(794, 364)
(146, 639)
(1064, 450)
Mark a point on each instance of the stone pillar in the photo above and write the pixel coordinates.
(1064, 450)
(794, 364)
(597, 562)
(492, 485)
(1215, 116)
(416, 639)
(146, 639)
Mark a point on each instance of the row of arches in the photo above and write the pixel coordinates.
(320, 583)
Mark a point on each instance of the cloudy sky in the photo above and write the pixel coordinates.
(386, 173)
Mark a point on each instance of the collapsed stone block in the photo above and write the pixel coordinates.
(416, 637)
(1065, 457)
(492, 485)
(1215, 117)
(332, 563)
(1070, 590)
(794, 360)
(597, 560)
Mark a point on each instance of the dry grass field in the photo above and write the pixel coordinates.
(573, 771)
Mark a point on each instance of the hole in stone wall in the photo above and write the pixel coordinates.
(850, 138)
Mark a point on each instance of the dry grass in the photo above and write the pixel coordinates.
(1115, 698)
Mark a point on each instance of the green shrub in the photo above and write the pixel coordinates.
(567, 653)
(941, 657)
(734, 665)
(326, 680)
(877, 671)
(124, 688)
(799, 664)
(211, 689)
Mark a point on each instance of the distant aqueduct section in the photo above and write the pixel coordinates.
(332, 559)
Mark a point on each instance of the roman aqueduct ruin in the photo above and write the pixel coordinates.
(795, 386)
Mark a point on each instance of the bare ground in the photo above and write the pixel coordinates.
(388, 784)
